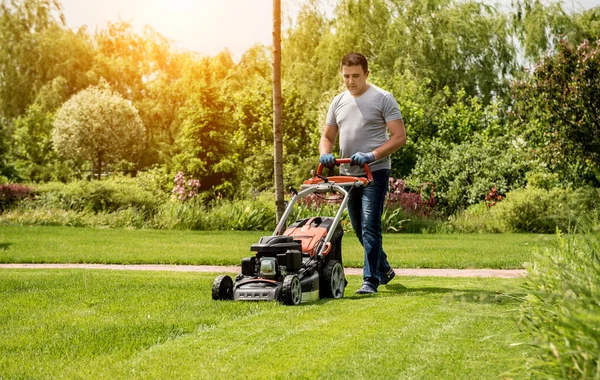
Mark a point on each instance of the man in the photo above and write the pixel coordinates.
(363, 116)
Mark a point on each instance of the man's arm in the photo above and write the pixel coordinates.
(328, 139)
(395, 142)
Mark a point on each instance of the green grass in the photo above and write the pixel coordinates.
(42, 244)
(163, 325)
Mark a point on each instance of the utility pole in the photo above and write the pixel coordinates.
(277, 110)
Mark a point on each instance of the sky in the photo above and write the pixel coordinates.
(204, 26)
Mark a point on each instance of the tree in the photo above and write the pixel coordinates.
(277, 111)
(99, 126)
(558, 112)
(32, 144)
(205, 145)
(35, 48)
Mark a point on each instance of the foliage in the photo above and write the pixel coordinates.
(539, 26)
(454, 44)
(154, 76)
(99, 126)
(11, 194)
(33, 148)
(558, 105)
(476, 218)
(531, 210)
(96, 196)
(542, 180)
(561, 309)
(542, 211)
(463, 173)
(33, 36)
(447, 62)
(204, 145)
(586, 26)
(248, 215)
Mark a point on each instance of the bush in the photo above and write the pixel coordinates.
(11, 194)
(542, 211)
(463, 173)
(561, 311)
(531, 210)
(248, 215)
(476, 218)
(97, 196)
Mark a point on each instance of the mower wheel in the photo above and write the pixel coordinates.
(333, 281)
(291, 291)
(222, 288)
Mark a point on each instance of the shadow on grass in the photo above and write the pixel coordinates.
(4, 246)
(448, 294)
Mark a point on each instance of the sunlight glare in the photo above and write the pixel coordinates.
(174, 6)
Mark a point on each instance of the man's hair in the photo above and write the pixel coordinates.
(355, 59)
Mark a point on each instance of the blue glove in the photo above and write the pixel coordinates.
(360, 158)
(327, 160)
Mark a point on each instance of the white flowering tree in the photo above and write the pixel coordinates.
(97, 125)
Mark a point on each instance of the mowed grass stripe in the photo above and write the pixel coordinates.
(83, 324)
(40, 244)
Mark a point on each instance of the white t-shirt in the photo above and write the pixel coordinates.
(361, 124)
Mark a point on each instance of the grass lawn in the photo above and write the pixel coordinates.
(164, 325)
(42, 244)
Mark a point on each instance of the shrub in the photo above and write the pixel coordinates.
(561, 311)
(530, 210)
(11, 194)
(97, 196)
(476, 218)
(542, 211)
(256, 214)
(463, 173)
(544, 181)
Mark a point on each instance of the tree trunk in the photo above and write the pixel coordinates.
(99, 167)
(277, 109)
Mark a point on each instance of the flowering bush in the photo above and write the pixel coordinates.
(492, 197)
(11, 194)
(397, 197)
(183, 190)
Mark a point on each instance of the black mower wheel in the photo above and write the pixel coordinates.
(222, 288)
(333, 280)
(291, 290)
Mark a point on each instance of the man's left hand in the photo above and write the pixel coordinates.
(360, 158)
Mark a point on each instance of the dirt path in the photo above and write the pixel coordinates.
(500, 273)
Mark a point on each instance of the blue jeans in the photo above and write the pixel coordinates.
(365, 207)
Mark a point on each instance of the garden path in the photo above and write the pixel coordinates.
(417, 272)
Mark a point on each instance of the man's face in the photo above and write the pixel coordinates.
(355, 79)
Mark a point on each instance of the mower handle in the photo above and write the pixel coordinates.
(339, 161)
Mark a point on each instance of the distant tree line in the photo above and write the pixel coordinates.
(475, 118)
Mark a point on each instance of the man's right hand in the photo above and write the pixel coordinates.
(327, 160)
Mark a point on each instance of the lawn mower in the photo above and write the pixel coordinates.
(300, 263)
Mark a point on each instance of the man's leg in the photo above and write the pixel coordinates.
(355, 212)
(373, 199)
